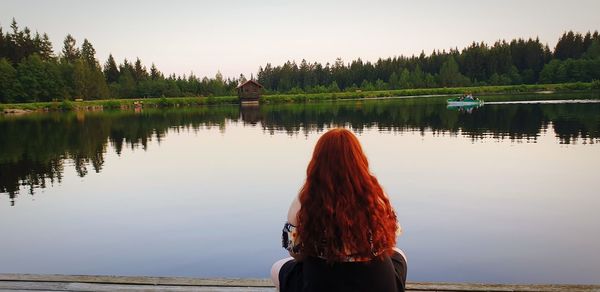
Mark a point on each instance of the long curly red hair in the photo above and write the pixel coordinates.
(344, 211)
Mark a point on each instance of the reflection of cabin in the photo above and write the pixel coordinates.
(249, 91)
(250, 113)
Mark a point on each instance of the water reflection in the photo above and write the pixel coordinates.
(35, 148)
(464, 108)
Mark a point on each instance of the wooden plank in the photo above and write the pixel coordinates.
(11, 290)
(129, 288)
(123, 283)
(498, 287)
(182, 281)
(36, 286)
(62, 286)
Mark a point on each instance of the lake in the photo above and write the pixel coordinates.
(507, 192)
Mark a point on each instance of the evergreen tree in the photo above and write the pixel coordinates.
(111, 71)
(80, 76)
(405, 79)
(366, 85)
(88, 54)
(570, 45)
(430, 81)
(70, 52)
(333, 87)
(380, 85)
(474, 60)
(126, 84)
(15, 40)
(3, 45)
(593, 50)
(417, 77)
(139, 71)
(97, 89)
(9, 84)
(242, 79)
(45, 48)
(394, 81)
(450, 75)
(40, 81)
(154, 73)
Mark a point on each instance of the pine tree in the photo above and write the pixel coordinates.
(45, 48)
(242, 79)
(450, 75)
(3, 45)
(333, 87)
(111, 71)
(126, 84)
(405, 79)
(80, 76)
(9, 85)
(88, 54)
(593, 50)
(15, 40)
(139, 71)
(394, 81)
(154, 73)
(39, 80)
(70, 52)
(417, 77)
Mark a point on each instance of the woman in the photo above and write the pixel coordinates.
(341, 230)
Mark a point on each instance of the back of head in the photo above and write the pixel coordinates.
(344, 211)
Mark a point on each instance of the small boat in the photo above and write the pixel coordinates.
(458, 101)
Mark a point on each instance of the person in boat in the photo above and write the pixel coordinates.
(341, 228)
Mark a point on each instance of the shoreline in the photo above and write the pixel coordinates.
(174, 102)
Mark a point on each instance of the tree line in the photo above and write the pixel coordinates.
(30, 70)
(576, 58)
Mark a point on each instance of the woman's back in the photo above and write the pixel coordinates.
(374, 275)
(341, 229)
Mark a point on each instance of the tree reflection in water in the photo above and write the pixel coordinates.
(34, 148)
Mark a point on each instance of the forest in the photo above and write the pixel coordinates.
(31, 71)
(576, 58)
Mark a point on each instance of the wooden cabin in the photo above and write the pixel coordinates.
(249, 92)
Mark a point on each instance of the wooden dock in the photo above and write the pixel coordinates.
(29, 282)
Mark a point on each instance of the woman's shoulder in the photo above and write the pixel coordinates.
(292, 216)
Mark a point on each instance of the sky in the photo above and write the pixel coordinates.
(233, 37)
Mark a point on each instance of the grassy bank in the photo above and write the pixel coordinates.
(291, 98)
(478, 90)
(121, 103)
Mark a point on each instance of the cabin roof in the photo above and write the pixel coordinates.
(249, 81)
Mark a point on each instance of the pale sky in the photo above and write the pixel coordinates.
(235, 37)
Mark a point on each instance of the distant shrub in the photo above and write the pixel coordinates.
(296, 90)
(111, 104)
(299, 98)
(163, 102)
(595, 84)
(66, 105)
(577, 86)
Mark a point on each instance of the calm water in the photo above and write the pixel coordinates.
(507, 192)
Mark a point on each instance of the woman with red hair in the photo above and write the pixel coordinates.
(341, 230)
